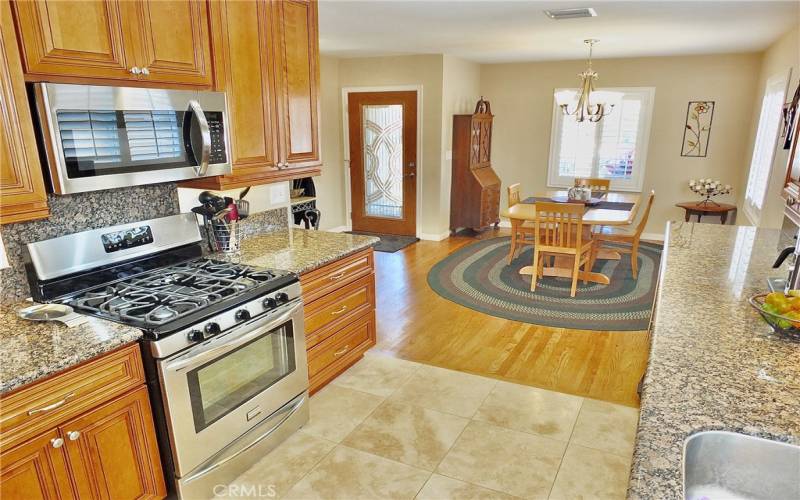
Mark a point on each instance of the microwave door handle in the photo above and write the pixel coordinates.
(228, 344)
(205, 134)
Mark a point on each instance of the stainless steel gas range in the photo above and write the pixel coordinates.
(224, 345)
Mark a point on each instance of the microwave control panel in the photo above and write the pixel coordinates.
(128, 238)
(216, 127)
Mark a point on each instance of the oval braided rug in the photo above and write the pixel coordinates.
(478, 276)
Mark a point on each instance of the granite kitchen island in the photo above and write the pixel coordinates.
(714, 364)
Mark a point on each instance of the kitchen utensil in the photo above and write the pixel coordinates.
(52, 312)
(203, 210)
(234, 212)
(297, 193)
(780, 324)
(220, 215)
(225, 236)
(244, 192)
(243, 206)
(213, 201)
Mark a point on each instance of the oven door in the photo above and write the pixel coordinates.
(218, 390)
(110, 137)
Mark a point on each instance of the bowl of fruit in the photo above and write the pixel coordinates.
(781, 311)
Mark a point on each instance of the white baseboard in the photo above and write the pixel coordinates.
(338, 229)
(434, 237)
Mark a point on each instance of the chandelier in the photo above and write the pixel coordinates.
(591, 104)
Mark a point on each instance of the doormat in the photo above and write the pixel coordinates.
(390, 243)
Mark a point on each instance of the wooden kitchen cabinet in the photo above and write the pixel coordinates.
(22, 189)
(266, 59)
(148, 43)
(339, 308)
(85, 433)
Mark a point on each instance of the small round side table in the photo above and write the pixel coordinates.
(711, 208)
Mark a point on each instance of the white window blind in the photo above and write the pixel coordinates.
(153, 135)
(614, 148)
(89, 136)
(764, 147)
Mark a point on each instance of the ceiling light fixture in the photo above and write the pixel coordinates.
(591, 104)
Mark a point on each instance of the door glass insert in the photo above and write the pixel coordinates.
(225, 383)
(383, 160)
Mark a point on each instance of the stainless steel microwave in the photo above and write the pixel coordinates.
(99, 137)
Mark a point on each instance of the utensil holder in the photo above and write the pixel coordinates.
(224, 236)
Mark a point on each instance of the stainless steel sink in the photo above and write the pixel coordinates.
(726, 465)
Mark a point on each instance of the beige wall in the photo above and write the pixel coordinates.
(522, 102)
(460, 92)
(777, 59)
(331, 184)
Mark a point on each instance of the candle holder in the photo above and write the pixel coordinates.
(709, 188)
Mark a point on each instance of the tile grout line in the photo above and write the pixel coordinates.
(569, 441)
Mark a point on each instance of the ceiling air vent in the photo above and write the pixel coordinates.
(559, 14)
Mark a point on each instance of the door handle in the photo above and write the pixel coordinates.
(410, 174)
(205, 137)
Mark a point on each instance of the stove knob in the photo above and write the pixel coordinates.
(212, 329)
(282, 298)
(242, 315)
(196, 336)
(269, 303)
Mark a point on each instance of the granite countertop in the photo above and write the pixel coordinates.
(713, 363)
(301, 250)
(35, 349)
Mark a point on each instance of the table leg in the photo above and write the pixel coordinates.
(687, 214)
(724, 217)
(515, 223)
(562, 268)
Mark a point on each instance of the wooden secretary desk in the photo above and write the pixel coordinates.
(475, 190)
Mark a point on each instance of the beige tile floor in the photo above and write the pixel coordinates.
(388, 428)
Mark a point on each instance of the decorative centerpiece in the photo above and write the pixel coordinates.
(708, 188)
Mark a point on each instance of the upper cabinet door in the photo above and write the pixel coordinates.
(298, 74)
(21, 184)
(172, 40)
(72, 38)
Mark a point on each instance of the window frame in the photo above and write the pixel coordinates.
(554, 180)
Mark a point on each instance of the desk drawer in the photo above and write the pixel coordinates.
(328, 314)
(45, 404)
(328, 278)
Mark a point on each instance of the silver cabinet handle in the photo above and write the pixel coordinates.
(205, 133)
(57, 442)
(341, 351)
(145, 71)
(135, 70)
(337, 276)
(53, 406)
(73, 435)
(339, 311)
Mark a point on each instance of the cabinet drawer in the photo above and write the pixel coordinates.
(45, 404)
(336, 353)
(324, 280)
(339, 345)
(331, 312)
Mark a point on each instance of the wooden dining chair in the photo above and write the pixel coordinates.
(521, 231)
(559, 230)
(596, 185)
(623, 236)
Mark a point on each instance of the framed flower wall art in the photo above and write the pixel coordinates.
(697, 131)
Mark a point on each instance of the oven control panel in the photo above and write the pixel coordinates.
(128, 238)
(216, 127)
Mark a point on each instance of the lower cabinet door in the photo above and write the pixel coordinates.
(112, 450)
(35, 469)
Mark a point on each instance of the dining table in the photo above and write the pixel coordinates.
(613, 209)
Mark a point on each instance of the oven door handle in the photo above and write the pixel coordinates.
(205, 137)
(230, 340)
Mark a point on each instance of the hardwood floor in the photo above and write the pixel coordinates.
(416, 324)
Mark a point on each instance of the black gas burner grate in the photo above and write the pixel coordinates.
(161, 296)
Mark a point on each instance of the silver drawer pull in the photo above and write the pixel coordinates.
(341, 351)
(339, 311)
(53, 406)
(57, 442)
(337, 276)
(73, 435)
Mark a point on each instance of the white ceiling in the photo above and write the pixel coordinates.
(490, 31)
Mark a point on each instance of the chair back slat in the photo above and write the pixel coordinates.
(594, 184)
(559, 225)
(646, 214)
(513, 194)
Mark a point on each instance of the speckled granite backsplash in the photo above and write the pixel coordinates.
(79, 212)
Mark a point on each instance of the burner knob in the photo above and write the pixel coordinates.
(282, 298)
(196, 336)
(269, 303)
(242, 315)
(212, 329)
